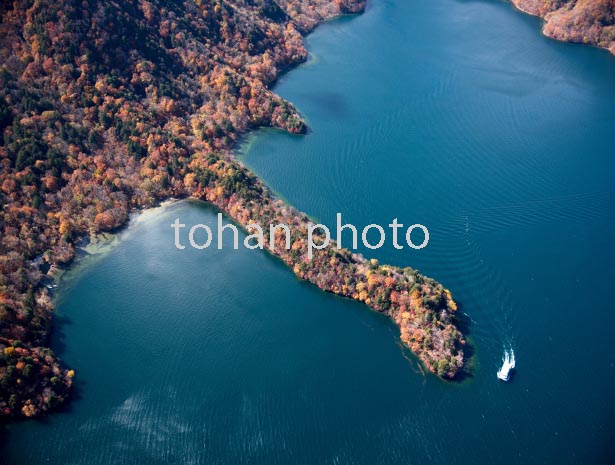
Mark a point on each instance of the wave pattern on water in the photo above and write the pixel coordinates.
(454, 114)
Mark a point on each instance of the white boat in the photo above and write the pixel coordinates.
(507, 365)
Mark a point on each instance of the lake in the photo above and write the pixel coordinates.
(458, 115)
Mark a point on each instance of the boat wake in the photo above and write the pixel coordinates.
(508, 364)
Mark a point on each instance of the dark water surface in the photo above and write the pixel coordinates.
(455, 114)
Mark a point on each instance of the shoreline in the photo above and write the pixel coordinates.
(422, 308)
(93, 248)
(545, 21)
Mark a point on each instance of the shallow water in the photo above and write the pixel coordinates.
(455, 114)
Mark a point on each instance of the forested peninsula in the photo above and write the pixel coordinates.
(107, 107)
(589, 22)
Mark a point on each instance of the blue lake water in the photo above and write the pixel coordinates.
(455, 114)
